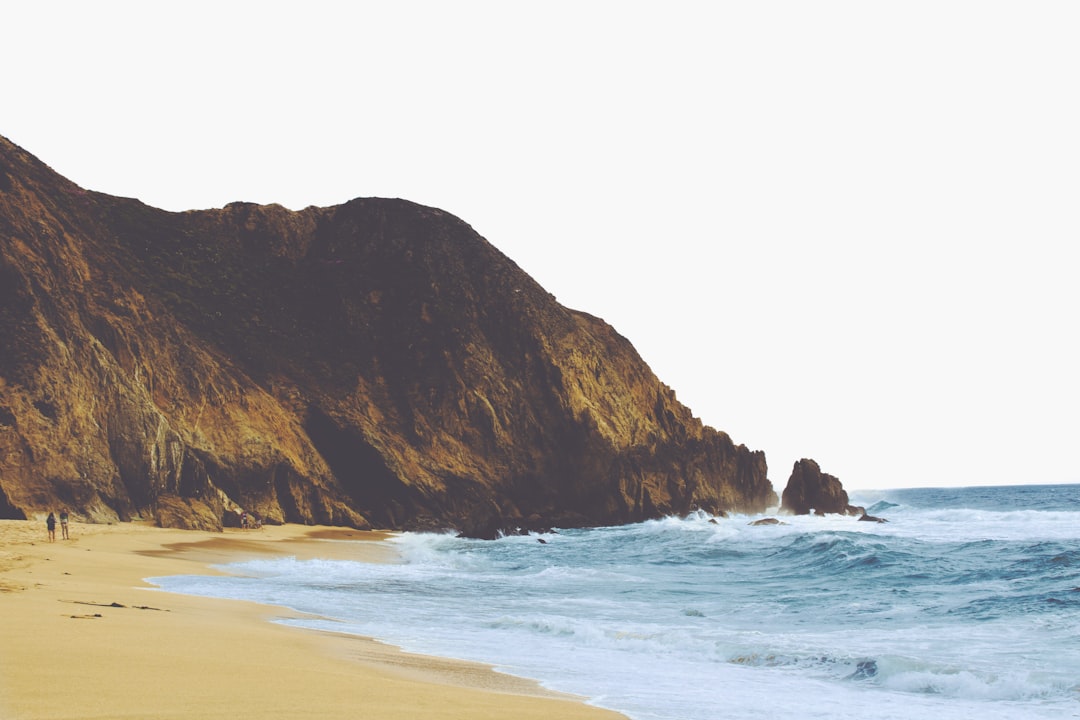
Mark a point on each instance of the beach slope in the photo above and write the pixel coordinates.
(83, 636)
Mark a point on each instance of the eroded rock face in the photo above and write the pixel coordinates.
(375, 363)
(811, 491)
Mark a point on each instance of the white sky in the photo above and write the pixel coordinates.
(839, 230)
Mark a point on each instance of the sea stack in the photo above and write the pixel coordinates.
(811, 491)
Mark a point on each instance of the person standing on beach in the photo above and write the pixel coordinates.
(50, 522)
(64, 523)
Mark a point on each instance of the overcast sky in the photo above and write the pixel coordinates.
(839, 230)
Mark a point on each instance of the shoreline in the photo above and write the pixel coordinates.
(85, 636)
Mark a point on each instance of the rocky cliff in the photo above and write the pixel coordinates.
(376, 363)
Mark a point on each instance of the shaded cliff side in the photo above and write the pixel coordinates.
(375, 363)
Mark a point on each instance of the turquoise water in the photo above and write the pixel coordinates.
(966, 604)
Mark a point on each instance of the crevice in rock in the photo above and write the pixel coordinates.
(375, 489)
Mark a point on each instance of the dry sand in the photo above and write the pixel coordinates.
(83, 636)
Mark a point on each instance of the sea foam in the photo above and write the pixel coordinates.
(946, 611)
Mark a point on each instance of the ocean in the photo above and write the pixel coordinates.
(965, 604)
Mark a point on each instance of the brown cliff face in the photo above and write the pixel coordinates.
(376, 363)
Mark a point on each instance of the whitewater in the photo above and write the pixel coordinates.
(965, 604)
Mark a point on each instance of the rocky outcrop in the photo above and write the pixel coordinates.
(376, 363)
(809, 491)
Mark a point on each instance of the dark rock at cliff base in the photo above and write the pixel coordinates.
(767, 521)
(810, 490)
(185, 513)
(376, 363)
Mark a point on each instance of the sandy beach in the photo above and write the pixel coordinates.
(83, 636)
